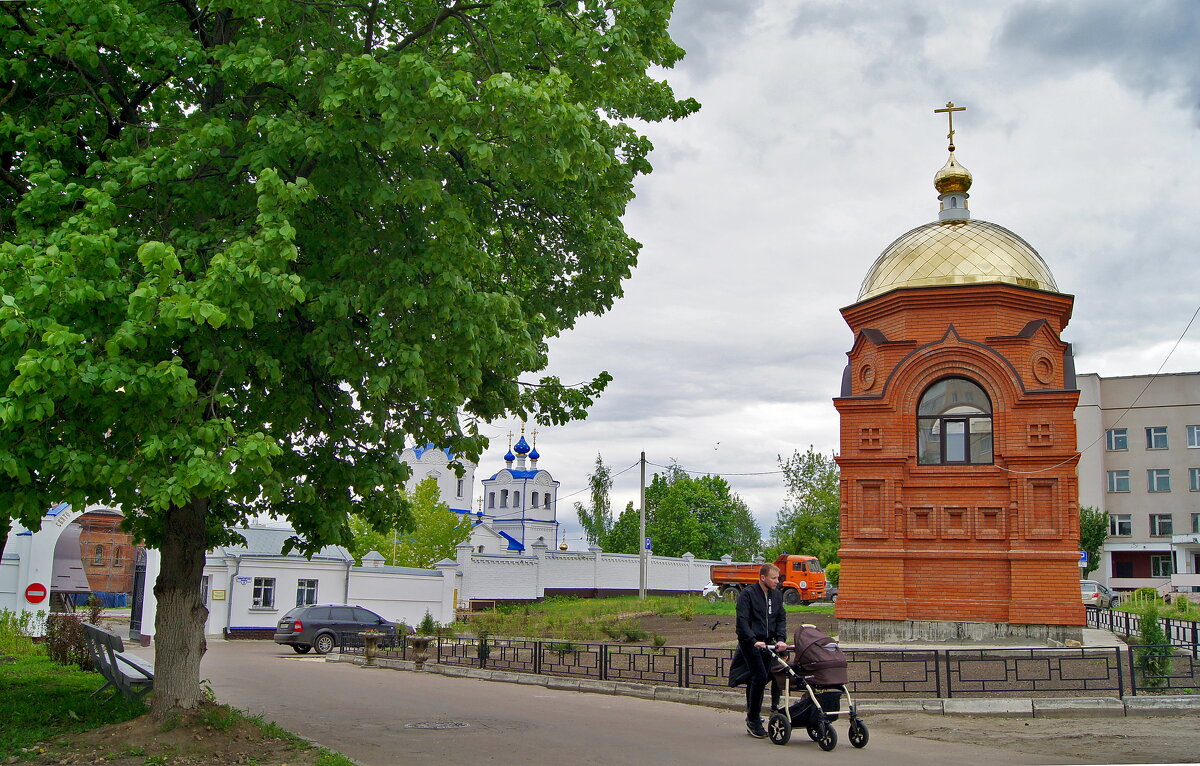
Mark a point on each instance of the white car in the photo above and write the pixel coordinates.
(1097, 594)
(711, 592)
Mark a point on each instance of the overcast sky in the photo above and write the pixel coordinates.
(815, 147)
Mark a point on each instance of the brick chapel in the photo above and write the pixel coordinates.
(959, 500)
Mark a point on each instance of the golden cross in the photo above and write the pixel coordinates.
(534, 434)
(510, 439)
(950, 110)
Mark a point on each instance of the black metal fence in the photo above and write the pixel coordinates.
(908, 673)
(1184, 634)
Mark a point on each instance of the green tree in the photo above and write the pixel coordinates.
(1093, 531)
(245, 247)
(432, 535)
(597, 519)
(810, 520)
(623, 537)
(699, 515)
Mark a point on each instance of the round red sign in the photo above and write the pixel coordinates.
(35, 593)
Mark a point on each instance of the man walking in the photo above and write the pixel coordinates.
(760, 621)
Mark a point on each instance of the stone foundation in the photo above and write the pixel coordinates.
(940, 632)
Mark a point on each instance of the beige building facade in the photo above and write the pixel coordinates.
(1139, 436)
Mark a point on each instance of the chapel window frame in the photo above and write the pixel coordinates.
(948, 423)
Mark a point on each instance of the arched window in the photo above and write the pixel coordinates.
(534, 502)
(491, 500)
(516, 499)
(504, 498)
(547, 500)
(98, 560)
(954, 424)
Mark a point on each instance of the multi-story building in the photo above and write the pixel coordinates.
(1140, 442)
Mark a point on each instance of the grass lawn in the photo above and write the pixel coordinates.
(41, 700)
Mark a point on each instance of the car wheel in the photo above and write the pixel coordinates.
(300, 648)
(791, 596)
(779, 728)
(729, 594)
(324, 643)
(711, 598)
(833, 598)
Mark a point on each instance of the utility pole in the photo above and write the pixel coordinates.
(642, 535)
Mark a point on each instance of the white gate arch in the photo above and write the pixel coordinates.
(29, 559)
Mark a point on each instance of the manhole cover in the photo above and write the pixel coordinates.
(437, 725)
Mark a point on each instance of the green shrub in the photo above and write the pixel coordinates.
(1153, 657)
(833, 572)
(631, 632)
(16, 634)
(427, 626)
(688, 612)
(64, 641)
(659, 640)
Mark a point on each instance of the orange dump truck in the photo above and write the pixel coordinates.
(801, 578)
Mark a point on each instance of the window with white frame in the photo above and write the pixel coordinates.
(516, 499)
(1194, 479)
(264, 593)
(1120, 524)
(204, 589)
(1116, 439)
(1160, 565)
(461, 484)
(1193, 436)
(504, 498)
(533, 501)
(306, 592)
(491, 500)
(547, 505)
(1196, 523)
(1161, 525)
(1118, 481)
(1158, 480)
(1156, 437)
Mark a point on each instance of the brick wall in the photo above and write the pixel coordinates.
(973, 543)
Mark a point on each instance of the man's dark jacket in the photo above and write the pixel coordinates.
(754, 624)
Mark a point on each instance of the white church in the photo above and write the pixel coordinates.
(518, 503)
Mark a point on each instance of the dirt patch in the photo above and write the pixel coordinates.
(1157, 739)
(191, 739)
(712, 630)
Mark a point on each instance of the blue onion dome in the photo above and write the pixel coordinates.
(534, 454)
(522, 446)
(509, 456)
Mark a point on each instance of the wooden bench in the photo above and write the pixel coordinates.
(130, 675)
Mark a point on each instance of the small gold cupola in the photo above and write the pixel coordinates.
(953, 180)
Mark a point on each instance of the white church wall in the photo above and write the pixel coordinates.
(497, 577)
(404, 595)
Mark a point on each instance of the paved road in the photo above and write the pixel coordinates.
(363, 713)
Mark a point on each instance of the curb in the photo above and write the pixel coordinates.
(1039, 707)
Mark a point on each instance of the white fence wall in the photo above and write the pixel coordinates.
(404, 596)
(530, 576)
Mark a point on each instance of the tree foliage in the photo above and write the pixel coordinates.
(700, 515)
(431, 536)
(596, 519)
(1093, 531)
(246, 246)
(810, 520)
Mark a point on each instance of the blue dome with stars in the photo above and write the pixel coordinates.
(521, 447)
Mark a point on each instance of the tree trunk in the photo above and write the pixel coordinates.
(179, 623)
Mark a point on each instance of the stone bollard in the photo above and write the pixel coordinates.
(420, 647)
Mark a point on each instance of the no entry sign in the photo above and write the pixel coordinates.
(35, 593)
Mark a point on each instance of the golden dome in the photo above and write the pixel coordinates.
(957, 253)
(952, 178)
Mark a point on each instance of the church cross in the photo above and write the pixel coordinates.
(949, 110)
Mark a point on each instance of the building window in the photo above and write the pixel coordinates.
(1120, 524)
(1122, 569)
(1118, 481)
(461, 484)
(1161, 525)
(1160, 565)
(1196, 523)
(264, 593)
(116, 555)
(1116, 439)
(516, 499)
(1156, 437)
(1194, 479)
(1193, 436)
(534, 501)
(547, 505)
(98, 559)
(491, 500)
(954, 424)
(504, 498)
(306, 592)
(204, 589)
(1158, 480)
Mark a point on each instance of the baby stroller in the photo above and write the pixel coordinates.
(812, 686)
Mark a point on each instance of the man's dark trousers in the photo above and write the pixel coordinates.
(757, 682)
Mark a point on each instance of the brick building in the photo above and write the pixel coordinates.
(958, 490)
(107, 553)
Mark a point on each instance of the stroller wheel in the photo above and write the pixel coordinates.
(858, 733)
(826, 736)
(779, 728)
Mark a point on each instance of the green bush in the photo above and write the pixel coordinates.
(833, 572)
(16, 633)
(427, 626)
(1153, 657)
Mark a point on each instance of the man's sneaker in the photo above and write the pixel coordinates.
(755, 729)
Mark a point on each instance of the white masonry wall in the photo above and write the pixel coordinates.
(530, 576)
